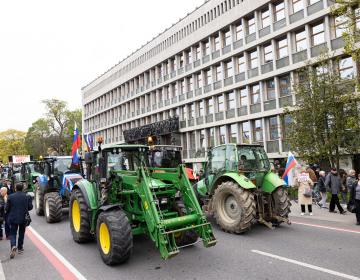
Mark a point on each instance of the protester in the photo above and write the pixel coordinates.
(9, 187)
(16, 207)
(355, 198)
(317, 172)
(315, 166)
(344, 192)
(201, 175)
(333, 185)
(2, 215)
(3, 194)
(322, 189)
(350, 180)
(311, 173)
(304, 200)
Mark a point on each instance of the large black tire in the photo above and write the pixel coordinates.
(183, 237)
(234, 207)
(80, 222)
(281, 206)
(114, 237)
(53, 207)
(39, 200)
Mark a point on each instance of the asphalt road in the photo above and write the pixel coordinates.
(232, 258)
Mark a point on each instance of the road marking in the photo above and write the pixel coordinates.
(308, 265)
(328, 227)
(66, 270)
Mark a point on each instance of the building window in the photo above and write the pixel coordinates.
(279, 11)
(270, 89)
(192, 140)
(188, 57)
(147, 78)
(167, 69)
(243, 97)
(281, 48)
(218, 73)
(300, 40)
(197, 52)
(317, 34)
(250, 25)
(230, 100)
(286, 126)
(216, 43)
(155, 118)
(209, 106)
(211, 139)
(191, 111)
(228, 69)
(340, 26)
(176, 112)
(160, 71)
(198, 80)
(189, 84)
(220, 102)
(273, 128)
(284, 82)
(297, 5)
(202, 138)
(239, 34)
(161, 95)
(346, 68)
(233, 134)
(312, 2)
(253, 59)
(265, 17)
(154, 74)
(183, 109)
(268, 56)
(182, 86)
(201, 108)
(173, 64)
(303, 77)
(255, 94)
(226, 38)
(181, 61)
(241, 64)
(222, 135)
(245, 132)
(167, 92)
(206, 48)
(185, 141)
(258, 133)
(174, 89)
(149, 101)
(207, 77)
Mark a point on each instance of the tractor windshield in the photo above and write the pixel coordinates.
(165, 158)
(253, 159)
(29, 168)
(65, 165)
(126, 160)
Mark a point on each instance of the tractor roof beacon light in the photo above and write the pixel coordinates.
(150, 139)
(41, 157)
(100, 140)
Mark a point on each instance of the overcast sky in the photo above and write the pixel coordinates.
(50, 49)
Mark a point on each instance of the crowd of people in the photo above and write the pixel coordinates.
(337, 183)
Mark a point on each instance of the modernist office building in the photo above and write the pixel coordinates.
(225, 70)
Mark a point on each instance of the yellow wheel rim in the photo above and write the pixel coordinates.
(76, 216)
(104, 238)
(176, 234)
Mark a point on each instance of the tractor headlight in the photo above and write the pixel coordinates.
(164, 200)
(34, 181)
(156, 201)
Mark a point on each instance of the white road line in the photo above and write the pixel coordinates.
(307, 265)
(58, 255)
(327, 227)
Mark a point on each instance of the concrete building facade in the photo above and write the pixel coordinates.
(225, 69)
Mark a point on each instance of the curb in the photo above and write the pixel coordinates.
(322, 219)
(2, 274)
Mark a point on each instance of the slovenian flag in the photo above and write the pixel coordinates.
(90, 142)
(76, 145)
(288, 177)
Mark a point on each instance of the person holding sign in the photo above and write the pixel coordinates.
(304, 184)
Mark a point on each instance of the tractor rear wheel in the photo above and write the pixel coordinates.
(234, 207)
(114, 237)
(53, 207)
(80, 222)
(39, 200)
(183, 237)
(281, 205)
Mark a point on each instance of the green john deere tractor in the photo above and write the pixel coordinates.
(239, 188)
(122, 197)
(29, 172)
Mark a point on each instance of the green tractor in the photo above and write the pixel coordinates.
(29, 172)
(122, 197)
(239, 188)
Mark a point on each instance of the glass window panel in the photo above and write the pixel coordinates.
(301, 45)
(313, 2)
(265, 13)
(318, 39)
(266, 22)
(282, 52)
(282, 43)
(222, 135)
(253, 63)
(346, 62)
(233, 133)
(297, 6)
(347, 73)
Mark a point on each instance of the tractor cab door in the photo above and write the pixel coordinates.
(215, 165)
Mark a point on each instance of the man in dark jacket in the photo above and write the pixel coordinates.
(2, 215)
(9, 186)
(316, 168)
(322, 189)
(333, 185)
(16, 207)
(350, 180)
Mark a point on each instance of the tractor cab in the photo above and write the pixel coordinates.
(165, 156)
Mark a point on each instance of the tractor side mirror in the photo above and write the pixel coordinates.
(89, 158)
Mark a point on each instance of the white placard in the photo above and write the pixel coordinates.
(304, 177)
(20, 159)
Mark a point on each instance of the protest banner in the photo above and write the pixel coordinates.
(304, 177)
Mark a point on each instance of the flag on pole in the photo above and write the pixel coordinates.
(288, 177)
(89, 142)
(92, 142)
(86, 143)
(76, 145)
(246, 138)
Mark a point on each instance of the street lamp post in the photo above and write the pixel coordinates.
(66, 136)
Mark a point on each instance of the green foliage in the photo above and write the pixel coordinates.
(11, 143)
(326, 115)
(37, 140)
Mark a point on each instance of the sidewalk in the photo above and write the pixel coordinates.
(323, 214)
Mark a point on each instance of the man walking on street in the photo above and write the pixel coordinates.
(322, 189)
(16, 207)
(333, 185)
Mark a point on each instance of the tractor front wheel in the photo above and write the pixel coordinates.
(281, 206)
(80, 222)
(53, 207)
(234, 207)
(39, 200)
(114, 237)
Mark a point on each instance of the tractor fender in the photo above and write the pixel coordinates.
(271, 182)
(43, 183)
(88, 191)
(233, 176)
